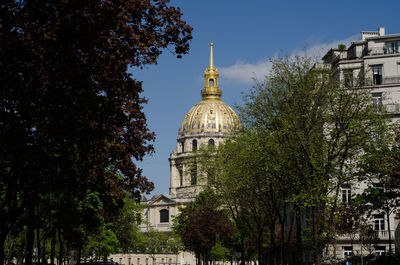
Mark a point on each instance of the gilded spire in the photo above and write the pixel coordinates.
(211, 75)
(211, 56)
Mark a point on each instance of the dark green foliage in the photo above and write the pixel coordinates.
(72, 125)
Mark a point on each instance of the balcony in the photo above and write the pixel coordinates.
(383, 51)
(378, 80)
(379, 235)
(387, 80)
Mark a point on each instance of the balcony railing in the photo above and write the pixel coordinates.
(387, 80)
(383, 51)
(380, 235)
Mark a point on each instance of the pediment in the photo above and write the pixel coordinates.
(161, 200)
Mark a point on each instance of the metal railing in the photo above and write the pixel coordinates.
(391, 80)
(382, 235)
(383, 51)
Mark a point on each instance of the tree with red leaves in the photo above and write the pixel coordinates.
(71, 120)
(202, 223)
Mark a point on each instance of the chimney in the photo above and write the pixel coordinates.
(381, 31)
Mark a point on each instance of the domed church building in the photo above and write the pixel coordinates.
(209, 122)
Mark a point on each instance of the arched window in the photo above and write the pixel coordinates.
(180, 177)
(211, 82)
(194, 145)
(164, 216)
(211, 142)
(193, 175)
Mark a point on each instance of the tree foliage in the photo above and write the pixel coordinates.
(201, 224)
(303, 137)
(71, 115)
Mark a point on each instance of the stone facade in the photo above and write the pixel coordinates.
(375, 59)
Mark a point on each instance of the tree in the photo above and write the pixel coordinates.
(104, 243)
(155, 242)
(71, 114)
(380, 170)
(201, 224)
(302, 138)
(126, 226)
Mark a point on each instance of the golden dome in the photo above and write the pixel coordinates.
(210, 114)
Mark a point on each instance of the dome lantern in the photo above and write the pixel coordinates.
(211, 90)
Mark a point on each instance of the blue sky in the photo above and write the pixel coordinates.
(245, 35)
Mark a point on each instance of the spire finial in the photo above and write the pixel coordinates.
(211, 55)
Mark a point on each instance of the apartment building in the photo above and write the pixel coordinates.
(376, 60)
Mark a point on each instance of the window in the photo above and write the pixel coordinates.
(379, 222)
(346, 195)
(193, 176)
(392, 47)
(194, 145)
(377, 98)
(348, 78)
(183, 147)
(180, 177)
(211, 142)
(211, 82)
(164, 216)
(380, 250)
(347, 251)
(377, 101)
(377, 74)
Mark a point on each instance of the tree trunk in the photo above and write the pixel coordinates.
(388, 229)
(243, 250)
(261, 260)
(299, 254)
(61, 246)
(44, 259)
(38, 246)
(53, 246)
(78, 254)
(282, 247)
(3, 237)
(30, 236)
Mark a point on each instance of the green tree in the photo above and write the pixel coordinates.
(382, 196)
(302, 138)
(104, 243)
(155, 242)
(126, 226)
